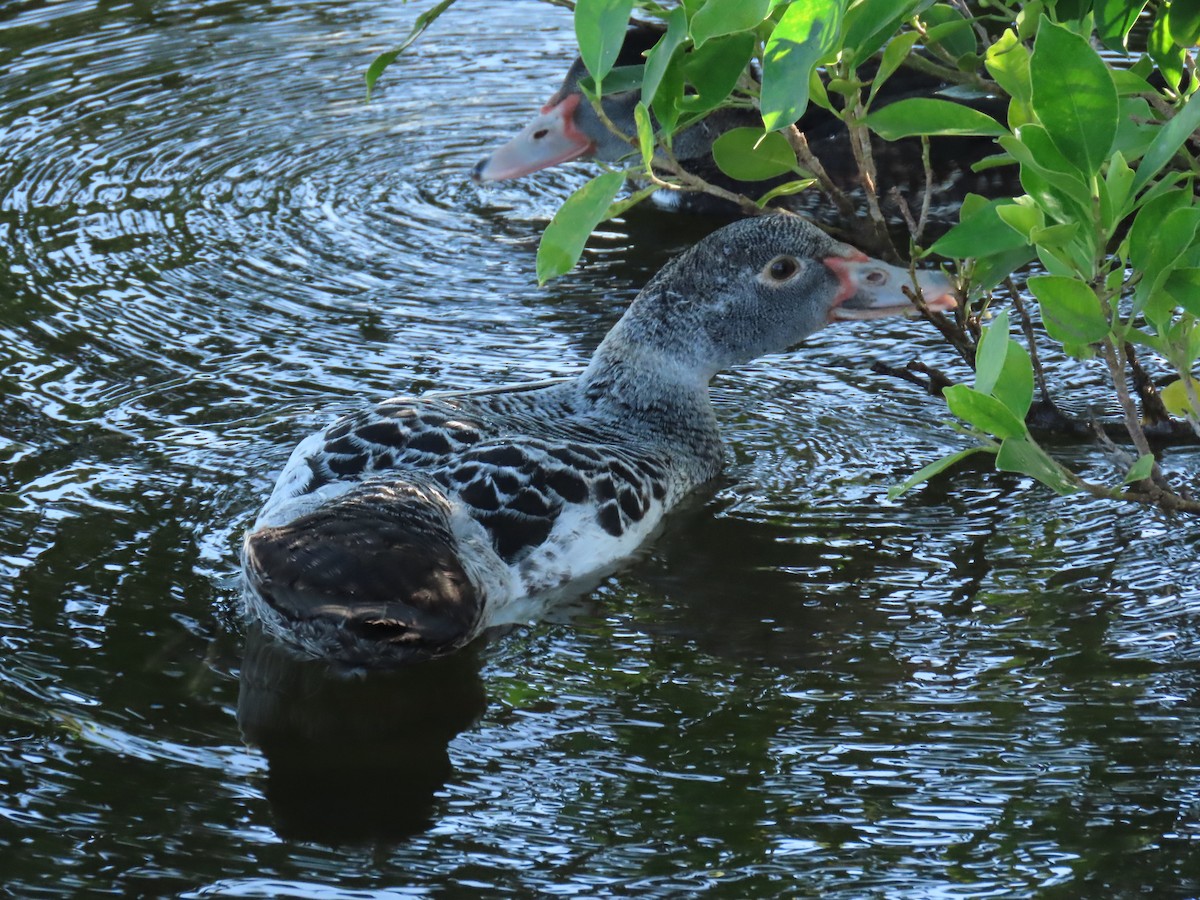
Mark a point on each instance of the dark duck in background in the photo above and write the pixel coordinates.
(569, 128)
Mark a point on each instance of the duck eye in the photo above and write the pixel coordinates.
(781, 268)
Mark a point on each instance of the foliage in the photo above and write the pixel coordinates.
(1105, 145)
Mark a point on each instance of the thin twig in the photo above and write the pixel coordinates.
(928, 195)
(808, 161)
(1039, 373)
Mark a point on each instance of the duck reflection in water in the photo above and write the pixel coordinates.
(354, 757)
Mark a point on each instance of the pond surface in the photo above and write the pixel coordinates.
(210, 245)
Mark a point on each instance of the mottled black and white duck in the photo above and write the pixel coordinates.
(568, 128)
(403, 531)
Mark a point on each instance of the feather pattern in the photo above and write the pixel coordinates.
(404, 529)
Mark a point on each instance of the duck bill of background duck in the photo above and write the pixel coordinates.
(551, 138)
(871, 289)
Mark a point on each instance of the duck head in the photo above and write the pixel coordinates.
(567, 127)
(754, 287)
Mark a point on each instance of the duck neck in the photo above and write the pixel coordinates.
(662, 382)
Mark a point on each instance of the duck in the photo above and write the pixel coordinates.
(568, 128)
(404, 530)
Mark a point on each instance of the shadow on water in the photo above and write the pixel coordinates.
(354, 757)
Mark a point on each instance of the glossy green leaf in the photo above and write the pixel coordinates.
(1183, 23)
(600, 31)
(869, 23)
(1183, 287)
(1175, 398)
(1140, 469)
(949, 29)
(894, 55)
(383, 60)
(803, 37)
(1034, 149)
(1021, 455)
(1014, 387)
(1023, 218)
(1071, 311)
(989, 355)
(1167, 141)
(1162, 231)
(784, 190)
(662, 54)
(988, 271)
(926, 115)
(714, 70)
(934, 468)
(1167, 55)
(980, 233)
(1073, 96)
(564, 238)
(619, 80)
(749, 154)
(719, 17)
(645, 133)
(1007, 61)
(1118, 186)
(983, 411)
(1114, 19)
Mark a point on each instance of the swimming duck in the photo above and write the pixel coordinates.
(568, 128)
(402, 531)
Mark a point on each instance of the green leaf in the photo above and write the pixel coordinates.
(749, 154)
(784, 190)
(1167, 141)
(1034, 149)
(619, 80)
(565, 236)
(1175, 398)
(1014, 388)
(1167, 55)
(803, 37)
(1141, 469)
(1183, 286)
(1162, 233)
(645, 133)
(988, 271)
(925, 115)
(1021, 455)
(1118, 183)
(983, 411)
(662, 53)
(934, 468)
(1021, 217)
(383, 60)
(1073, 96)
(894, 55)
(718, 17)
(668, 97)
(714, 70)
(1183, 23)
(989, 355)
(1114, 19)
(1007, 61)
(980, 233)
(949, 29)
(869, 23)
(600, 31)
(1071, 311)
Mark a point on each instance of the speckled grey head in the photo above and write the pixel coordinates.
(759, 286)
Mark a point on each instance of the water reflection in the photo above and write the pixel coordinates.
(210, 245)
(352, 756)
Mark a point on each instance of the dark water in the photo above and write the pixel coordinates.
(209, 245)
